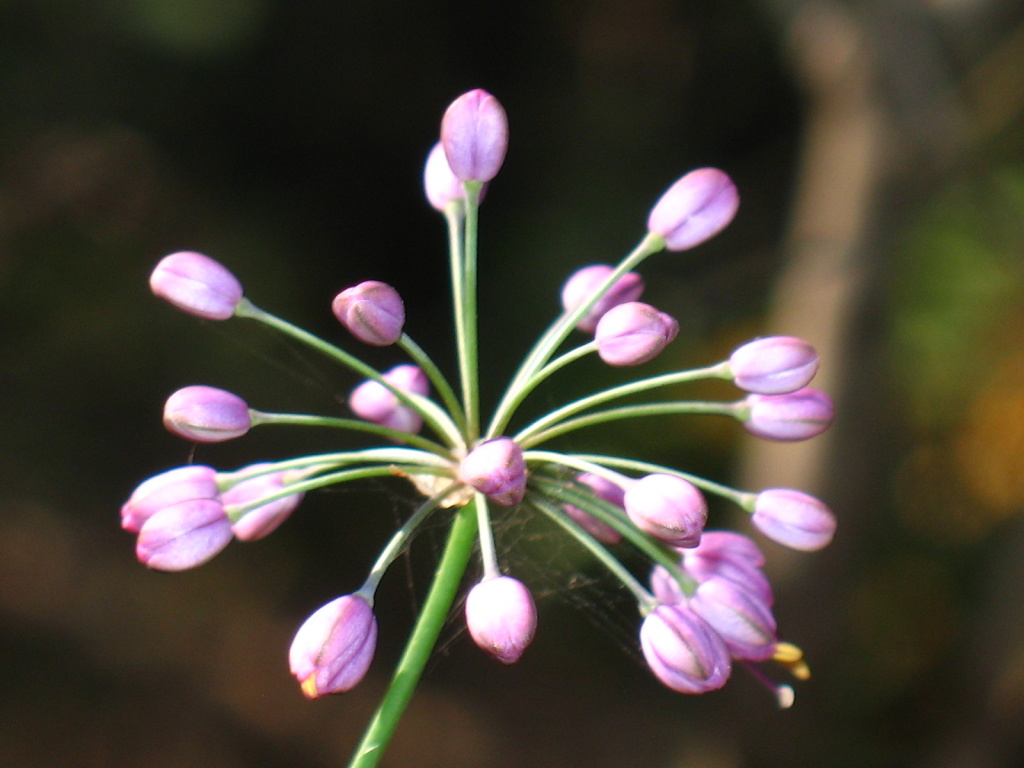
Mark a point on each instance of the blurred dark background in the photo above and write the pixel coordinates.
(877, 146)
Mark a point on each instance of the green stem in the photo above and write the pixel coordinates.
(741, 498)
(467, 309)
(560, 330)
(432, 414)
(400, 540)
(606, 558)
(642, 385)
(358, 425)
(444, 389)
(440, 599)
(625, 412)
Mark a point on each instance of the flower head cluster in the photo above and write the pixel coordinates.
(705, 602)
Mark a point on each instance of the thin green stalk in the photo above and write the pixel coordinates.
(608, 513)
(444, 389)
(432, 414)
(624, 390)
(400, 540)
(440, 599)
(358, 425)
(511, 403)
(469, 349)
(606, 558)
(560, 330)
(236, 512)
(488, 554)
(645, 467)
(625, 412)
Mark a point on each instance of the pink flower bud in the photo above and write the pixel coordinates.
(372, 311)
(196, 284)
(633, 333)
(183, 535)
(665, 587)
(744, 622)
(694, 209)
(684, 652)
(262, 520)
(501, 617)
(603, 489)
(731, 556)
(333, 649)
(798, 415)
(774, 366)
(441, 185)
(582, 284)
(668, 508)
(794, 519)
(165, 490)
(374, 402)
(474, 133)
(206, 414)
(497, 469)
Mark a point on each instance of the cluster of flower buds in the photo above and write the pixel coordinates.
(707, 601)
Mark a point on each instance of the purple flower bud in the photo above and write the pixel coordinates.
(183, 535)
(501, 617)
(372, 311)
(334, 647)
(262, 520)
(165, 490)
(497, 469)
(603, 489)
(795, 416)
(774, 366)
(668, 508)
(794, 519)
(694, 209)
(582, 284)
(441, 185)
(474, 133)
(374, 402)
(206, 414)
(684, 652)
(731, 556)
(665, 587)
(742, 620)
(633, 333)
(196, 284)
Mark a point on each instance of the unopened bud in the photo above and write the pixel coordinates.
(196, 284)
(183, 535)
(633, 333)
(582, 284)
(474, 133)
(668, 508)
(333, 648)
(372, 311)
(501, 617)
(774, 365)
(374, 402)
(497, 469)
(793, 518)
(798, 415)
(683, 651)
(262, 520)
(694, 209)
(206, 414)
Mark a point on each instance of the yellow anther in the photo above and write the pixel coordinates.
(792, 658)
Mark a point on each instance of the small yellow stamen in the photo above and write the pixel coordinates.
(309, 687)
(792, 658)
